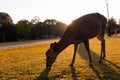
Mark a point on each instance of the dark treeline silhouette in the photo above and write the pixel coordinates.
(26, 30)
(112, 27)
(35, 29)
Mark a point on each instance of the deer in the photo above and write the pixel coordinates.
(79, 31)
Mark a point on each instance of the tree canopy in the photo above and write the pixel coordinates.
(112, 26)
(5, 18)
(6, 27)
(36, 29)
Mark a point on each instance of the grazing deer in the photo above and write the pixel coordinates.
(80, 30)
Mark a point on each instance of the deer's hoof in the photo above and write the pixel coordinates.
(71, 64)
(91, 65)
(100, 61)
(103, 58)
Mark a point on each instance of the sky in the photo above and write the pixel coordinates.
(61, 10)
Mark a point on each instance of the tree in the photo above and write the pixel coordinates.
(5, 18)
(49, 26)
(23, 29)
(60, 29)
(5, 21)
(35, 20)
(37, 31)
(112, 25)
(54, 27)
(10, 32)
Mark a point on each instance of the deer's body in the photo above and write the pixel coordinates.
(80, 30)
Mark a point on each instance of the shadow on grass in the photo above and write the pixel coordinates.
(64, 75)
(117, 36)
(44, 75)
(102, 70)
(113, 64)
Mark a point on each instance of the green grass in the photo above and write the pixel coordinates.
(28, 63)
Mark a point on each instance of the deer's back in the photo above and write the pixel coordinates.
(87, 26)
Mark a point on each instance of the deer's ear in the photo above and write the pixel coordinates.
(51, 45)
(55, 43)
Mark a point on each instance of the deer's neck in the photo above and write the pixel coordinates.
(61, 45)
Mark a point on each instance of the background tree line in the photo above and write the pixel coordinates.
(113, 27)
(25, 30)
(35, 29)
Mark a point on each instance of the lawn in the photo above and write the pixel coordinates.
(28, 63)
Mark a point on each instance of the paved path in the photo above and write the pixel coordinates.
(29, 43)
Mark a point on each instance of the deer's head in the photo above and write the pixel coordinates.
(51, 55)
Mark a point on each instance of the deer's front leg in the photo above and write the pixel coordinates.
(75, 49)
(86, 42)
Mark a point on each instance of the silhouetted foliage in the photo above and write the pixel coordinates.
(35, 20)
(35, 29)
(60, 29)
(112, 26)
(7, 31)
(50, 28)
(54, 27)
(23, 29)
(5, 18)
(11, 32)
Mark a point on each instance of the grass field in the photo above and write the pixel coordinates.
(28, 63)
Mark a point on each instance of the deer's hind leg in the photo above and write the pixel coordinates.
(103, 55)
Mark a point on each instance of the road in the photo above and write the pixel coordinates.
(8, 45)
